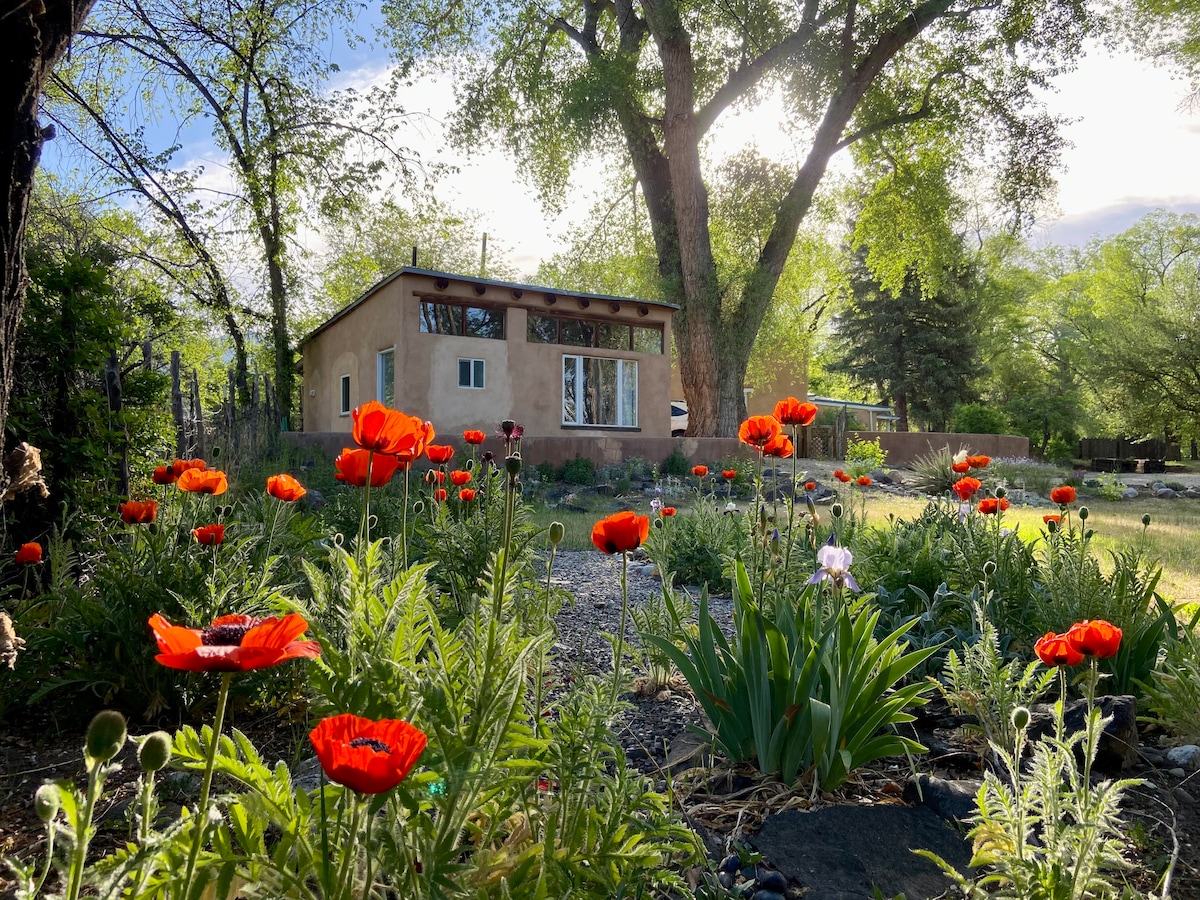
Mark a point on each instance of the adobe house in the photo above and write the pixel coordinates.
(467, 352)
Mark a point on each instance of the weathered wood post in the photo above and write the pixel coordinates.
(198, 414)
(177, 408)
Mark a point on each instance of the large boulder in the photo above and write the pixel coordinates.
(1118, 746)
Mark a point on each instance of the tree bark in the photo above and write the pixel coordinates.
(36, 34)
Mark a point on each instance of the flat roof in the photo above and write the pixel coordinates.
(832, 401)
(470, 279)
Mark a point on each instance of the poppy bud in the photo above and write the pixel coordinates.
(154, 751)
(469, 465)
(46, 802)
(512, 464)
(418, 507)
(557, 532)
(1146, 520)
(216, 452)
(1083, 513)
(105, 737)
(1052, 525)
(1020, 718)
(1001, 493)
(989, 568)
(836, 510)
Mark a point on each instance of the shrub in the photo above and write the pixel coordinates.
(1027, 474)
(1174, 691)
(932, 473)
(546, 472)
(864, 457)
(693, 547)
(676, 465)
(580, 470)
(978, 418)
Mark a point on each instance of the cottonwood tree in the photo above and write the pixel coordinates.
(254, 72)
(651, 79)
(36, 34)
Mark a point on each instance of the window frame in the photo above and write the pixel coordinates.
(462, 308)
(381, 393)
(623, 366)
(478, 365)
(344, 403)
(596, 324)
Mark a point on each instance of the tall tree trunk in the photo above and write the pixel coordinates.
(35, 36)
(901, 401)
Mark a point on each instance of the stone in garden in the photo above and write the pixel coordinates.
(845, 852)
(1166, 494)
(1130, 493)
(313, 499)
(1186, 757)
(1192, 493)
(1118, 746)
(953, 801)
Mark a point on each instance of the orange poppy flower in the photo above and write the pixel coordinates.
(285, 487)
(367, 756)
(729, 474)
(792, 412)
(474, 437)
(466, 495)
(841, 476)
(202, 481)
(28, 554)
(439, 453)
(667, 511)
(620, 532)
(779, 447)
(1063, 495)
(960, 468)
(232, 643)
(979, 462)
(864, 481)
(1054, 650)
(390, 431)
(758, 430)
(699, 471)
(183, 465)
(1056, 519)
(209, 535)
(459, 477)
(440, 495)
(352, 467)
(139, 512)
(966, 488)
(435, 476)
(1095, 638)
(164, 475)
(810, 485)
(989, 506)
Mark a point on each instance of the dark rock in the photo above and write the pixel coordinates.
(845, 852)
(772, 881)
(1118, 746)
(1166, 494)
(1185, 757)
(953, 801)
(766, 895)
(313, 499)
(604, 490)
(731, 863)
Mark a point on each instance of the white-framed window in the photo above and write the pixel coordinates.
(471, 373)
(600, 391)
(344, 395)
(385, 377)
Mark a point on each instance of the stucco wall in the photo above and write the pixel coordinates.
(904, 446)
(523, 380)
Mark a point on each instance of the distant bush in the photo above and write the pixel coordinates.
(864, 457)
(579, 470)
(676, 464)
(978, 418)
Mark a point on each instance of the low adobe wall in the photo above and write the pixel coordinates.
(904, 446)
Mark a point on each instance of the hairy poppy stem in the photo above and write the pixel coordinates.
(364, 527)
(83, 832)
(349, 851)
(206, 784)
(619, 650)
(404, 517)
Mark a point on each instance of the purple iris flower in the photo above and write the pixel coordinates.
(835, 566)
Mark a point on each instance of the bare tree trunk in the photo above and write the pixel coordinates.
(35, 35)
(112, 385)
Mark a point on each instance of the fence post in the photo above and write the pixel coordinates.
(177, 408)
(112, 384)
(198, 414)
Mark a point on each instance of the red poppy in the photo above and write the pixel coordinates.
(139, 512)
(1056, 519)
(667, 511)
(989, 506)
(352, 467)
(960, 468)
(466, 495)
(779, 447)
(864, 481)
(232, 643)
(440, 495)
(841, 476)
(459, 477)
(1054, 650)
(979, 462)
(758, 430)
(209, 535)
(183, 465)
(435, 476)
(1095, 638)
(699, 471)
(810, 485)
(164, 475)
(367, 756)
(474, 437)
(729, 474)
(792, 412)
(439, 453)
(28, 554)
(285, 487)
(1062, 495)
(390, 431)
(202, 481)
(966, 488)
(620, 532)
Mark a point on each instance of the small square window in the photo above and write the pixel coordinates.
(344, 408)
(471, 373)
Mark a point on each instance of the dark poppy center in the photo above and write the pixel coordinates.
(377, 746)
(225, 635)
